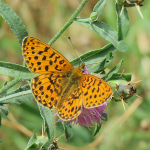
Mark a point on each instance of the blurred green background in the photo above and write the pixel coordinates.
(124, 130)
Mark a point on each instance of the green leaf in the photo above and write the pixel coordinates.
(31, 141)
(104, 117)
(99, 6)
(97, 10)
(117, 76)
(49, 124)
(5, 88)
(17, 97)
(20, 89)
(4, 110)
(14, 21)
(120, 1)
(0, 142)
(101, 66)
(97, 128)
(107, 33)
(67, 129)
(5, 83)
(41, 140)
(113, 71)
(122, 21)
(4, 92)
(16, 71)
(94, 56)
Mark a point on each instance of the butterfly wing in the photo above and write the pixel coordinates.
(42, 58)
(72, 106)
(95, 91)
(47, 88)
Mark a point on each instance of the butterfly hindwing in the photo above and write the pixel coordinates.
(95, 91)
(47, 88)
(72, 106)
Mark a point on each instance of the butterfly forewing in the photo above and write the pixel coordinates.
(42, 58)
(95, 91)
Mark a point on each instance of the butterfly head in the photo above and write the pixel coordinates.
(82, 67)
(77, 72)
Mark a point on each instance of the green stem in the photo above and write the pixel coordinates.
(69, 22)
(9, 85)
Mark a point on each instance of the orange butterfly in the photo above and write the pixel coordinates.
(58, 84)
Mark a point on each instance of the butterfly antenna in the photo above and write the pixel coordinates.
(98, 73)
(74, 49)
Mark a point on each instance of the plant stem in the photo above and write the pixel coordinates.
(9, 85)
(69, 22)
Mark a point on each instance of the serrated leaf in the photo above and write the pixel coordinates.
(67, 129)
(94, 56)
(31, 141)
(49, 124)
(4, 110)
(107, 33)
(122, 21)
(97, 129)
(15, 70)
(14, 21)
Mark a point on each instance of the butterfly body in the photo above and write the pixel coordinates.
(59, 85)
(69, 83)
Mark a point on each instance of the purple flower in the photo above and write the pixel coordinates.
(88, 116)
(86, 71)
